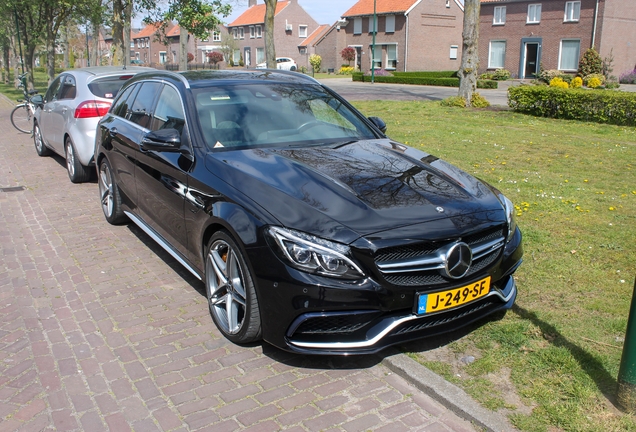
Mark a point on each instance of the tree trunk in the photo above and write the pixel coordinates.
(470, 54)
(66, 63)
(183, 49)
(118, 32)
(50, 54)
(270, 49)
(94, 51)
(128, 11)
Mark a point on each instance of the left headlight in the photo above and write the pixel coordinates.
(510, 215)
(313, 254)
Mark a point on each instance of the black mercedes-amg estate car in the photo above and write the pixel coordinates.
(309, 227)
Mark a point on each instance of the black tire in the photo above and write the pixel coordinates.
(21, 118)
(109, 194)
(40, 148)
(293, 68)
(228, 279)
(77, 172)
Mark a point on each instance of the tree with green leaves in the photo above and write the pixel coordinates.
(470, 56)
(270, 49)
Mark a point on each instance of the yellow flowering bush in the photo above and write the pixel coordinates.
(346, 70)
(594, 82)
(587, 78)
(576, 82)
(558, 82)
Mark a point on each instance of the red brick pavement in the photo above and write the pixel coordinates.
(102, 330)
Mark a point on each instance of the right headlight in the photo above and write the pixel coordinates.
(510, 216)
(313, 254)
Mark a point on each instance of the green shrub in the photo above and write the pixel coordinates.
(547, 75)
(315, 61)
(558, 82)
(478, 101)
(590, 63)
(612, 85)
(428, 74)
(501, 75)
(400, 78)
(454, 101)
(609, 106)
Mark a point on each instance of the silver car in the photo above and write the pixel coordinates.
(67, 115)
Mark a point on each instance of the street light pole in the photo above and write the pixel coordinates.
(375, 29)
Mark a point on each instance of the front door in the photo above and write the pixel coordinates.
(358, 58)
(247, 57)
(532, 63)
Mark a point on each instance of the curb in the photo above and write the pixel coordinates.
(449, 395)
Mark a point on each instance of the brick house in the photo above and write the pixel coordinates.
(308, 46)
(524, 35)
(214, 42)
(145, 46)
(411, 35)
(292, 25)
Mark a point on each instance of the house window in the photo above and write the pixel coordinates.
(390, 24)
(497, 54)
(569, 54)
(259, 32)
(391, 57)
(252, 32)
(453, 52)
(499, 17)
(260, 55)
(376, 62)
(162, 57)
(235, 33)
(302, 51)
(373, 24)
(236, 56)
(132, 43)
(302, 31)
(216, 37)
(572, 11)
(534, 14)
(357, 26)
(242, 33)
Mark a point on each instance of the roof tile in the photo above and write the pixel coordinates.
(256, 14)
(365, 7)
(315, 35)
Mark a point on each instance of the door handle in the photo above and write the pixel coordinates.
(113, 132)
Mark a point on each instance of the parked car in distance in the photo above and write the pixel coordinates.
(136, 62)
(67, 115)
(308, 226)
(283, 63)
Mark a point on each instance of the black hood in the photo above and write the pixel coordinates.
(355, 190)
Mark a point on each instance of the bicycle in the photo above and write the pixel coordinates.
(22, 114)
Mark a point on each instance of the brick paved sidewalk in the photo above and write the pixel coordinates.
(102, 330)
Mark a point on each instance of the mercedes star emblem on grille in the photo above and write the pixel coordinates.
(458, 260)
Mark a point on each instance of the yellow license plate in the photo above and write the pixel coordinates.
(439, 301)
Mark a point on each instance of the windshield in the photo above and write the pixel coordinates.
(255, 115)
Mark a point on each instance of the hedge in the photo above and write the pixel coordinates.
(601, 106)
(443, 82)
(427, 74)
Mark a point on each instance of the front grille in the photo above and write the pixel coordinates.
(431, 275)
(445, 318)
(334, 324)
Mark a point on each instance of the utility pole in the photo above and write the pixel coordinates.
(627, 372)
(375, 30)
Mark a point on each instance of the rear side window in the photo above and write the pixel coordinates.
(107, 87)
(142, 107)
(123, 102)
(69, 88)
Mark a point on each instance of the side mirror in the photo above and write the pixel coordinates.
(37, 100)
(168, 140)
(379, 123)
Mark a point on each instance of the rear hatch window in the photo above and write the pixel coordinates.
(108, 87)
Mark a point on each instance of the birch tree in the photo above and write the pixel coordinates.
(470, 55)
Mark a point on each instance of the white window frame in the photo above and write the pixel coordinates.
(576, 62)
(132, 43)
(534, 13)
(235, 32)
(491, 65)
(499, 15)
(236, 56)
(454, 49)
(260, 55)
(389, 24)
(357, 26)
(163, 57)
(302, 31)
(388, 61)
(377, 59)
(216, 36)
(242, 33)
(259, 32)
(373, 28)
(572, 11)
(252, 32)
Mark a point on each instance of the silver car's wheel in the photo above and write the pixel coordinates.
(77, 172)
(38, 141)
(109, 194)
(230, 291)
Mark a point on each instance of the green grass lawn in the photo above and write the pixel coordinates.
(574, 186)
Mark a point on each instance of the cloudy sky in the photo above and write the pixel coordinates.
(323, 11)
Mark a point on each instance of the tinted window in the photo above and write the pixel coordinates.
(51, 93)
(68, 90)
(168, 112)
(107, 87)
(142, 107)
(120, 108)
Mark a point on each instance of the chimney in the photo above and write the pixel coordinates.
(251, 3)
